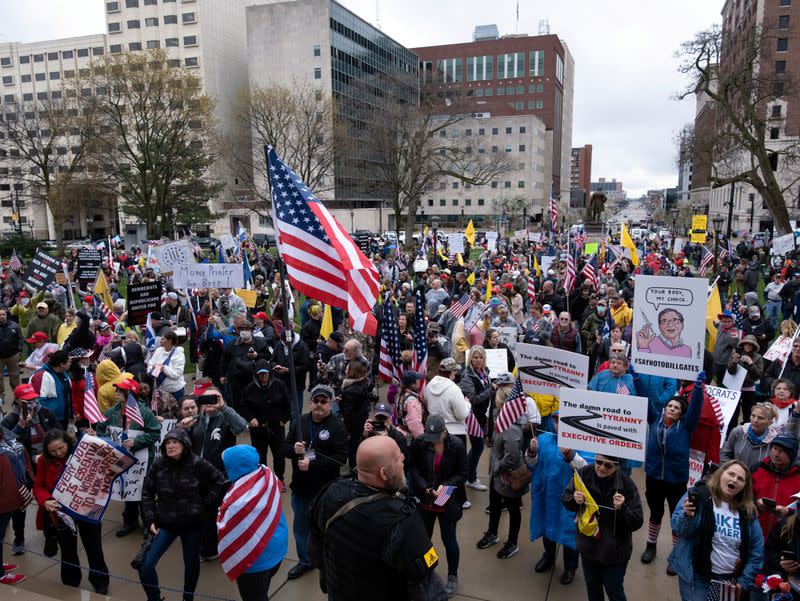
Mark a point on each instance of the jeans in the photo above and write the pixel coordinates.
(476, 446)
(5, 518)
(255, 586)
(599, 577)
(91, 538)
(447, 528)
(570, 555)
(179, 394)
(301, 528)
(772, 313)
(190, 541)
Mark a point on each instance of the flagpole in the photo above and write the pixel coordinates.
(788, 357)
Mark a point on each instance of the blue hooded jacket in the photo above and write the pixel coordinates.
(656, 388)
(606, 382)
(240, 461)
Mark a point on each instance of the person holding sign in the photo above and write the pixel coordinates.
(166, 365)
(667, 459)
(746, 357)
(720, 538)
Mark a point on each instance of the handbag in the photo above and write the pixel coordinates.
(519, 478)
(138, 560)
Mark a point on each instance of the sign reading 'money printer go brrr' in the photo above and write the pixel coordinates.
(208, 275)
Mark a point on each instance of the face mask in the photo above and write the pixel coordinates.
(601, 310)
(24, 301)
(246, 335)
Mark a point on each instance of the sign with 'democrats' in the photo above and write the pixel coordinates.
(599, 422)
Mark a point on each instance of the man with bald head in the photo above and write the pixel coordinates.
(368, 539)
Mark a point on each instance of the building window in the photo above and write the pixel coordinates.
(481, 132)
(508, 130)
(783, 22)
(135, 46)
(776, 111)
(455, 202)
(171, 42)
(112, 7)
(539, 104)
(521, 184)
(774, 133)
(66, 54)
(190, 40)
(55, 75)
(8, 80)
(442, 202)
(510, 65)
(153, 44)
(494, 185)
(479, 68)
(519, 105)
(449, 70)
(134, 24)
(480, 202)
(467, 202)
(151, 22)
(495, 131)
(317, 50)
(83, 52)
(5, 61)
(500, 92)
(174, 62)
(39, 76)
(536, 66)
(41, 96)
(510, 91)
(114, 27)
(52, 56)
(520, 89)
(115, 48)
(24, 60)
(783, 44)
(559, 69)
(522, 129)
(777, 88)
(188, 18)
(170, 19)
(488, 92)
(150, 2)
(55, 95)
(780, 67)
(69, 73)
(27, 97)
(26, 79)
(455, 185)
(522, 147)
(38, 58)
(506, 184)
(190, 61)
(785, 3)
(131, 3)
(97, 51)
(508, 147)
(317, 73)
(531, 104)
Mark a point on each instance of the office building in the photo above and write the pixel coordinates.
(580, 176)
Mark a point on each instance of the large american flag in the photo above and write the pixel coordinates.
(91, 411)
(321, 259)
(247, 518)
(708, 256)
(131, 411)
(460, 307)
(512, 409)
(420, 335)
(532, 288)
(570, 278)
(390, 365)
(553, 213)
(589, 271)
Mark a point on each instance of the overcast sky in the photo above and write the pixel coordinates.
(625, 72)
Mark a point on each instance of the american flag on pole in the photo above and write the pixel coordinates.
(473, 427)
(722, 591)
(248, 517)
(531, 288)
(14, 263)
(570, 278)
(420, 337)
(91, 410)
(512, 409)
(553, 213)
(738, 318)
(131, 410)
(149, 335)
(459, 308)
(444, 495)
(589, 271)
(321, 259)
(390, 365)
(708, 256)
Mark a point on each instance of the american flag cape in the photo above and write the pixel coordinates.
(91, 410)
(532, 288)
(130, 410)
(321, 259)
(420, 337)
(248, 517)
(390, 365)
(460, 307)
(512, 409)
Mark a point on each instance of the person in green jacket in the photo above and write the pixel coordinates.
(148, 439)
(44, 321)
(25, 308)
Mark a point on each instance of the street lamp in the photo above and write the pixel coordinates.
(30, 225)
(717, 221)
(352, 228)
(435, 226)
(674, 213)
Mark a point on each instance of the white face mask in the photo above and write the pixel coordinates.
(24, 301)
(601, 310)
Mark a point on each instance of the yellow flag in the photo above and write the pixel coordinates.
(425, 231)
(627, 242)
(326, 329)
(713, 309)
(587, 520)
(489, 289)
(471, 279)
(442, 255)
(470, 233)
(460, 259)
(101, 290)
(536, 269)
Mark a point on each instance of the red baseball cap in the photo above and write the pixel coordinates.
(26, 392)
(131, 385)
(260, 315)
(24, 294)
(37, 337)
(88, 299)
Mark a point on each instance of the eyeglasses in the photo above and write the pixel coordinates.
(320, 401)
(669, 322)
(609, 465)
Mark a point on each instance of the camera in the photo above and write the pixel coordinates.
(377, 425)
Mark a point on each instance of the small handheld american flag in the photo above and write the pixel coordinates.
(622, 388)
(444, 495)
(512, 409)
(131, 410)
(14, 263)
(708, 256)
(473, 427)
(722, 591)
(91, 410)
(459, 308)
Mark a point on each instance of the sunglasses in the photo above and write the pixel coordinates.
(609, 465)
(320, 401)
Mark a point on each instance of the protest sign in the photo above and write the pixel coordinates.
(547, 263)
(699, 226)
(508, 336)
(84, 486)
(42, 270)
(227, 242)
(783, 245)
(724, 402)
(420, 265)
(173, 254)
(520, 235)
(534, 236)
(166, 426)
(669, 326)
(779, 349)
(591, 248)
(603, 423)
(89, 263)
(547, 370)
(248, 296)
(143, 298)
(208, 275)
(696, 461)
(455, 243)
(128, 487)
(734, 381)
(491, 241)
(496, 361)
(677, 246)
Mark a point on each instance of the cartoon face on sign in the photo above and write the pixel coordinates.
(668, 341)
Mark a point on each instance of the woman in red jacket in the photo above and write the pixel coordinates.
(14, 495)
(55, 452)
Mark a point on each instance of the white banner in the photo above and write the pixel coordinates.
(547, 263)
(696, 461)
(735, 381)
(508, 336)
(208, 275)
(455, 243)
(173, 254)
(84, 486)
(677, 245)
(779, 349)
(726, 401)
(599, 422)
(496, 361)
(669, 325)
(548, 370)
(128, 487)
(491, 240)
(227, 242)
(534, 236)
(782, 245)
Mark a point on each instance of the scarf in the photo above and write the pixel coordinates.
(782, 404)
(755, 439)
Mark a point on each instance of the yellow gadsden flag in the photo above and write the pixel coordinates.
(627, 242)
(589, 511)
(470, 233)
(713, 309)
(326, 329)
(536, 269)
(489, 289)
(471, 278)
(101, 290)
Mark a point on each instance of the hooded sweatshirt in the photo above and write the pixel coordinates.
(106, 375)
(444, 397)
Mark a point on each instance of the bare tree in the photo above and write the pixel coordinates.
(735, 73)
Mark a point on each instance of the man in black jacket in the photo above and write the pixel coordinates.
(239, 361)
(380, 544)
(10, 346)
(317, 448)
(302, 362)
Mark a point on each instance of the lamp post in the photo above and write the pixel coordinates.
(30, 225)
(524, 218)
(352, 227)
(462, 218)
(717, 221)
(435, 225)
(674, 213)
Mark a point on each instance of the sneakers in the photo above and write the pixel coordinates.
(18, 547)
(488, 540)
(507, 551)
(452, 586)
(477, 485)
(12, 578)
(466, 505)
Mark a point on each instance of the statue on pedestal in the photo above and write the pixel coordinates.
(596, 206)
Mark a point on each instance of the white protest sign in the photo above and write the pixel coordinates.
(734, 381)
(724, 401)
(780, 349)
(496, 361)
(782, 245)
(696, 461)
(508, 336)
(227, 242)
(420, 265)
(166, 426)
(128, 487)
(547, 263)
(602, 423)
(173, 254)
(491, 240)
(534, 236)
(520, 235)
(208, 275)
(669, 325)
(548, 370)
(455, 243)
(677, 246)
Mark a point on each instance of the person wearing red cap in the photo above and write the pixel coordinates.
(41, 349)
(24, 309)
